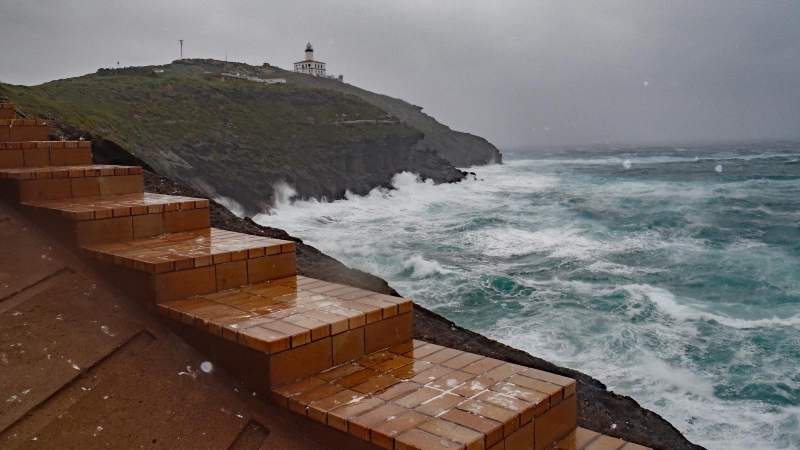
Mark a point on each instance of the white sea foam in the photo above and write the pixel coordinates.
(421, 268)
(232, 205)
(667, 303)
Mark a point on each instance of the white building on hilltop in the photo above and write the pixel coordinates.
(309, 66)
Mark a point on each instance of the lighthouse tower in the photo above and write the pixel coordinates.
(309, 66)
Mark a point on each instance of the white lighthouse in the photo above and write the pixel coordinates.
(309, 66)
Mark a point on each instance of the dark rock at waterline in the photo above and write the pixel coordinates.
(599, 409)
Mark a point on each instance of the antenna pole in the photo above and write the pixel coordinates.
(181, 41)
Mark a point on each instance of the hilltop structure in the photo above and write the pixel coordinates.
(309, 66)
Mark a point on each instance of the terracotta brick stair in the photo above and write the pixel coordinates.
(334, 354)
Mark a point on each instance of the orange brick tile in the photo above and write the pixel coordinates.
(184, 283)
(387, 309)
(423, 351)
(383, 435)
(105, 230)
(300, 362)
(433, 373)
(492, 429)
(147, 225)
(231, 275)
(442, 355)
(360, 426)
(576, 440)
(474, 386)
(375, 358)
(300, 336)
(503, 371)
(271, 267)
(359, 293)
(411, 370)
(36, 157)
(357, 378)
(318, 329)
(339, 418)
(462, 360)
(281, 394)
(71, 157)
(416, 439)
(509, 419)
(377, 383)
(392, 364)
(338, 324)
(554, 391)
(556, 423)
(117, 185)
(299, 402)
(440, 404)
(471, 439)
(397, 390)
(192, 219)
(539, 399)
(339, 372)
(451, 380)
(264, 340)
(389, 332)
(521, 407)
(482, 366)
(348, 346)
(318, 410)
(417, 397)
(44, 189)
(521, 439)
(567, 383)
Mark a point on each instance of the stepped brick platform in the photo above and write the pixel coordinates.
(56, 183)
(93, 220)
(19, 130)
(298, 319)
(335, 354)
(7, 111)
(44, 153)
(183, 264)
(419, 395)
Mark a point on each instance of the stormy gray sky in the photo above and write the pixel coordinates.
(520, 73)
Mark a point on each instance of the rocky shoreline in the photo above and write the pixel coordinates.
(600, 409)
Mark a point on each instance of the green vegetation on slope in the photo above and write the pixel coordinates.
(237, 138)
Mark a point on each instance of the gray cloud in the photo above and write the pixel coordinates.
(516, 72)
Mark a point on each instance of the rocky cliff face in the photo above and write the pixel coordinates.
(461, 149)
(239, 138)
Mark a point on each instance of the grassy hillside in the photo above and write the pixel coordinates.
(237, 138)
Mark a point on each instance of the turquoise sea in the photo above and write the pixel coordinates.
(670, 274)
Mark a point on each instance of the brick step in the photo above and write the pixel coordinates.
(57, 183)
(180, 265)
(7, 111)
(19, 130)
(300, 326)
(45, 153)
(583, 439)
(94, 220)
(423, 396)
